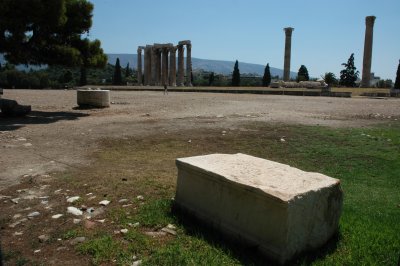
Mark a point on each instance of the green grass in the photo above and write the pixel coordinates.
(367, 161)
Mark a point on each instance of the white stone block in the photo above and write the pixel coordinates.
(280, 209)
(93, 98)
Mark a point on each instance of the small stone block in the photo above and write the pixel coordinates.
(280, 209)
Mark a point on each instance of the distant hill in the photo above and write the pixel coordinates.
(217, 66)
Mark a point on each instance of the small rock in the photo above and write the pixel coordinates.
(96, 212)
(36, 251)
(223, 132)
(33, 214)
(90, 210)
(4, 197)
(21, 139)
(19, 233)
(282, 140)
(123, 200)
(58, 190)
(74, 211)
(104, 202)
(126, 205)
(16, 200)
(101, 221)
(155, 234)
(92, 198)
(43, 238)
(18, 222)
(137, 263)
(136, 224)
(61, 248)
(89, 194)
(140, 197)
(77, 221)
(56, 216)
(124, 231)
(89, 224)
(189, 141)
(220, 116)
(73, 199)
(16, 216)
(77, 240)
(171, 226)
(27, 144)
(169, 231)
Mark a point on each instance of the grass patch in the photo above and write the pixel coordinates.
(366, 160)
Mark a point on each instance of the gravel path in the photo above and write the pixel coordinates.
(56, 136)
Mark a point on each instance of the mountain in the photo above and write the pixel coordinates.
(217, 66)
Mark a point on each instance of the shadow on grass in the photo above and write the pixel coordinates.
(245, 253)
(36, 117)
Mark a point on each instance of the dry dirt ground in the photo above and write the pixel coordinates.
(57, 135)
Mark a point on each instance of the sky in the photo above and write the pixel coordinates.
(326, 32)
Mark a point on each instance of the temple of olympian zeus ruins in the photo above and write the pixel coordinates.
(367, 59)
(160, 69)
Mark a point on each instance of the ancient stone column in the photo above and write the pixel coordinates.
(369, 32)
(147, 65)
(158, 67)
(288, 47)
(153, 66)
(172, 66)
(189, 65)
(139, 66)
(180, 65)
(164, 75)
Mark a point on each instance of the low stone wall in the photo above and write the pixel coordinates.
(93, 98)
(280, 209)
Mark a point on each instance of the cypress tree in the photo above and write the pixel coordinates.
(267, 76)
(127, 71)
(349, 75)
(302, 75)
(83, 78)
(211, 79)
(397, 82)
(117, 80)
(236, 75)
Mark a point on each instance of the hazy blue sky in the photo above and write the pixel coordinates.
(326, 31)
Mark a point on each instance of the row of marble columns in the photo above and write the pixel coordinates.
(160, 64)
(367, 59)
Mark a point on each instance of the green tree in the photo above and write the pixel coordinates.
(236, 75)
(397, 81)
(117, 80)
(330, 79)
(302, 75)
(49, 32)
(266, 80)
(83, 76)
(349, 75)
(127, 71)
(211, 79)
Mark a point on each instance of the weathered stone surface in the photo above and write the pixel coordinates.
(278, 208)
(93, 98)
(12, 108)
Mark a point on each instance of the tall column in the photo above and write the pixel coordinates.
(153, 66)
(147, 64)
(164, 74)
(369, 33)
(189, 65)
(172, 66)
(158, 66)
(139, 66)
(288, 48)
(180, 65)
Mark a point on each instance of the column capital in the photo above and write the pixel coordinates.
(288, 31)
(370, 20)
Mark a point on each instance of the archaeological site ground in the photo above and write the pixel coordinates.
(96, 186)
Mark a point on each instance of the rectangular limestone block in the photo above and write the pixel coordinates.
(280, 209)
